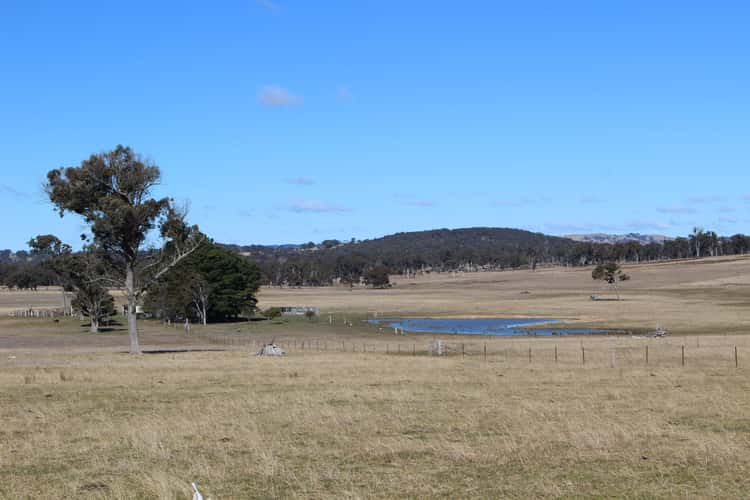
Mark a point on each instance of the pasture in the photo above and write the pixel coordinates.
(356, 412)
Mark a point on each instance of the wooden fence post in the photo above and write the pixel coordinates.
(736, 360)
(647, 354)
(583, 355)
(555, 354)
(529, 354)
(485, 351)
(463, 352)
(683, 355)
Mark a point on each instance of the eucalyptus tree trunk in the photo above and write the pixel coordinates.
(135, 348)
(94, 328)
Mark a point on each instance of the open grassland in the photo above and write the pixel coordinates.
(698, 296)
(98, 424)
(356, 411)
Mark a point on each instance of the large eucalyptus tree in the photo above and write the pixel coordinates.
(112, 191)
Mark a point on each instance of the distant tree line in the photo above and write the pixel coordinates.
(369, 262)
(472, 249)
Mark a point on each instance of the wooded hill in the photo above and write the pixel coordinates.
(471, 249)
(441, 250)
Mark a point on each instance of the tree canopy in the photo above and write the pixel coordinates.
(610, 273)
(112, 191)
(212, 284)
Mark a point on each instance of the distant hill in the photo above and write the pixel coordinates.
(643, 239)
(409, 253)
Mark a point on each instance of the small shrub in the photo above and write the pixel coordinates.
(272, 312)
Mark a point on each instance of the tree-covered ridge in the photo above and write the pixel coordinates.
(442, 250)
(470, 249)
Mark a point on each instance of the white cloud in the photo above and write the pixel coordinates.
(728, 220)
(676, 209)
(268, 5)
(301, 181)
(276, 96)
(411, 200)
(520, 202)
(317, 206)
(706, 199)
(592, 199)
(345, 94)
(648, 225)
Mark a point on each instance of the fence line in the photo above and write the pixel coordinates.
(725, 351)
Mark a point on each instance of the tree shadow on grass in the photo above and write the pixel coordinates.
(178, 351)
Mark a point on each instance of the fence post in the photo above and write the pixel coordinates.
(463, 352)
(555, 354)
(646, 354)
(683, 355)
(583, 355)
(485, 351)
(736, 361)
(414, 349)
(529, 354)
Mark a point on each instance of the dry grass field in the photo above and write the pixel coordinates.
(704, 296)
(353, 412)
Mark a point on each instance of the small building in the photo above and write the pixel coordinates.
(299, 311)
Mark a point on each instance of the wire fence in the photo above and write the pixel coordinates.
(707, 351)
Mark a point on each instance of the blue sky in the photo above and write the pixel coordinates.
(288, 121)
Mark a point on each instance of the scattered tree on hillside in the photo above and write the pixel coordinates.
(377, 277)
(112, 192)
(610, 273)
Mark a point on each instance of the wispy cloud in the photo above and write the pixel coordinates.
(648, 225)
(245, 212)
(277, 96)
(726, 209)
(412, 200)
(676, 209)
(519, 202)
(591, 199)
(21, 195)
(567, 228)
(706, 199)
(301, 181)
(746, 197)
(317, 207)
(268, 5)
(728, 220)
(344, 94)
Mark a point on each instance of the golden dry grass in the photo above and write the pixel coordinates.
(81, 419)
(320, 425)
(704, 296)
